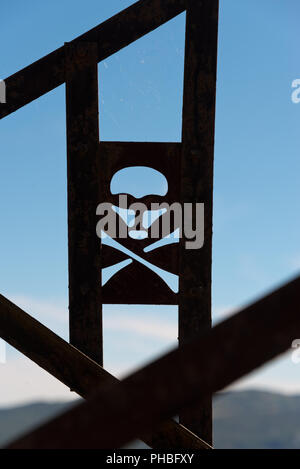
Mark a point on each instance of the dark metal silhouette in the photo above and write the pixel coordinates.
(208, 359)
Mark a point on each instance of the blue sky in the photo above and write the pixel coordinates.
(256, 194)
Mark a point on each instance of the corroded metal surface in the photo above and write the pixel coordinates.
(198, 128)
(76, 370)
(213, 361)
(85, 305)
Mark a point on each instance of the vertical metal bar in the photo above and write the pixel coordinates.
(197, 183)
(85, 307)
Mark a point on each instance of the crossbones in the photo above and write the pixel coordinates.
(170, 279)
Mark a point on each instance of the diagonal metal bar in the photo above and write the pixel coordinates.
(114, 34)
(76, 370)
(216, 359)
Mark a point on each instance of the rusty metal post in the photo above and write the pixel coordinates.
(85, 306)
(197, 184)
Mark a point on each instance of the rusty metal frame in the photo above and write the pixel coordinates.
(155, 392)
(235, 347)
(76, 64)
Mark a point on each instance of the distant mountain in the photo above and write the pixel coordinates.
(17, 420)
(247, 419)
(254, 419)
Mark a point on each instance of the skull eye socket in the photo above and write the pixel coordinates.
(139, 181)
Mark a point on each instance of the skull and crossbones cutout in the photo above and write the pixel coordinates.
(139, 182)
(140, 267)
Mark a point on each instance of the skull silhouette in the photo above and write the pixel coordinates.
(139, 182)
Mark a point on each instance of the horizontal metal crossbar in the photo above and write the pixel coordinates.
(217, 358)
(76, 370)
